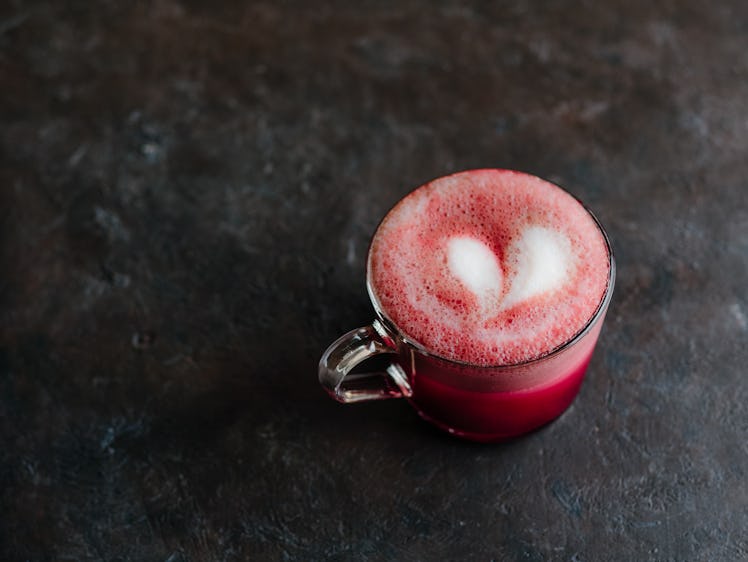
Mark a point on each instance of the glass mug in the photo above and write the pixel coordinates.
(476, 402)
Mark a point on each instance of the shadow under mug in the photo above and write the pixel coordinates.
(481, 403)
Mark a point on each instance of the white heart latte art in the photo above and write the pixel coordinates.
(489, 267)
(539, 261)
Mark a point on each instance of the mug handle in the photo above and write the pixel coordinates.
(350, 350)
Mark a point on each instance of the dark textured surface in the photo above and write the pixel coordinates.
(187, 190)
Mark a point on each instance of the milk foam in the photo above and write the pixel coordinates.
(476, 266)
(489, 267)
(541, 260)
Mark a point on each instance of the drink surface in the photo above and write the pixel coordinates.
(489, 267)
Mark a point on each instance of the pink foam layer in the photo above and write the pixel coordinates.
(410, 278)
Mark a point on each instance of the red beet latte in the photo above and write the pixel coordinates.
(490, 287)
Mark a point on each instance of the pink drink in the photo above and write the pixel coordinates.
(496, 283)
(486, 412)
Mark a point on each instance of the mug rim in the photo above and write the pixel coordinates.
(579, 335)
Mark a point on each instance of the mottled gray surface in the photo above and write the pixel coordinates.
(187, 190)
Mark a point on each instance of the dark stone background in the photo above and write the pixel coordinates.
(187, 190)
